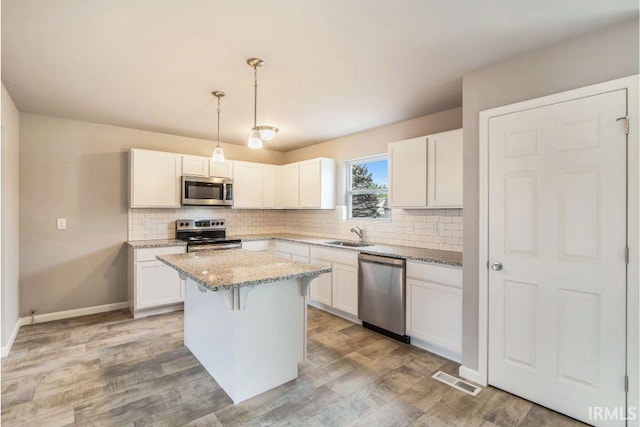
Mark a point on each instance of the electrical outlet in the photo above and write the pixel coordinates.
(410, 227)
(146, 222)
(61, 223)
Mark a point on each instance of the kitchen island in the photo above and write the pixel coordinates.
(245, 316)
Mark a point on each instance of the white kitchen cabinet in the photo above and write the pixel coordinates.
(426, 172)
(195, 165)
(292, 251)
(408, 173)
(338, 289)
(247, 185)
(269, 186)
(317, 184)
(221, 170)
(154, 287)
(444, 170)
(154, 179)
(289, 186)
(257, 245)
(434, 308)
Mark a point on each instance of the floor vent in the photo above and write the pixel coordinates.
(456, 383)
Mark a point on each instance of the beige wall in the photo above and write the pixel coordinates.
(10, 216)
(79, 171)
(374, 141)
(577, 62)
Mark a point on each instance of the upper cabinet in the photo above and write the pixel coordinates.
(288, 184)
(444, 170)
(154, 179)
(195, 165)
(221, 170)
(247, 185)
(269, 196)
(317, 184)
(426, 172)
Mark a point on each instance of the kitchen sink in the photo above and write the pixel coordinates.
(348, 244)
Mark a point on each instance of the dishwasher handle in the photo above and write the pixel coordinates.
(381, 260)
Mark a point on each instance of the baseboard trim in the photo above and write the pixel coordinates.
(470, 374)
(67, 314)
(7, 348)
(431, 348)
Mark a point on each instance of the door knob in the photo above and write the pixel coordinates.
(496, 266)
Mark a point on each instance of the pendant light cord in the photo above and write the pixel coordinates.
(218, 121)
(255, 96)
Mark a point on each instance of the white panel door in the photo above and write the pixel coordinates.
(155, 179)
(157, 284)
(221, 170)
(321, 285)
(345, 288)
(408, 173)
(195, 165)
(310, 184)
(247, 185)
(289, 186)
(557, 209)
(444, 168)
(269, 186)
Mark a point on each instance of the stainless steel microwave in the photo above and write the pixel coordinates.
(203, 191)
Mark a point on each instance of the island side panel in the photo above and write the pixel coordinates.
(269, 337)
(208, 333)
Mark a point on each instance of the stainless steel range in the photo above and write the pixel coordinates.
(205, 235)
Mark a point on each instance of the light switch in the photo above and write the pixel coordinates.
(61, 223)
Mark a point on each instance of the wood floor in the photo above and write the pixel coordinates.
(109, 369)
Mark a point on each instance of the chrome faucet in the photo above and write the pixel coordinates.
(359, 232)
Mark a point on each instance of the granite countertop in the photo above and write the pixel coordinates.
(160, 243)
(220, 270)
(406, 252)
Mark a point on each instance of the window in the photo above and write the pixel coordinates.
(367, 187)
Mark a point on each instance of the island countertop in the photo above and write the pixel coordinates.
(220, 270)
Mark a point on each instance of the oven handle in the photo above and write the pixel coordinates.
(214, 247)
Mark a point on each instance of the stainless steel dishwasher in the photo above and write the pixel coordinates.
(381, 295)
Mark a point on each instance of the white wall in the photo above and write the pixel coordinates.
(10, 217)
(577, 62)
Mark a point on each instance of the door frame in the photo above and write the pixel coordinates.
(633, 227)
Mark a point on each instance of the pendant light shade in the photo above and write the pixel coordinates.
(255, 140)
(258, 134)
(218, 154)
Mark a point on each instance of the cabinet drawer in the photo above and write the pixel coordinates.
(334, 255)
(293, 248)
(448, 275)
(149, 254)
(256, 245)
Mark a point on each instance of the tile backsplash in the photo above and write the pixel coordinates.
(432, 229)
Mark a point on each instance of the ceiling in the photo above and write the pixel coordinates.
(332, 67)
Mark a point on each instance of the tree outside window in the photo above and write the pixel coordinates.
(367, 188)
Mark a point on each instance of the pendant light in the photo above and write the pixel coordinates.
(258, 134)
(218, 154)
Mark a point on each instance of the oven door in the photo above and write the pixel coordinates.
(214, 247)
(200, 191)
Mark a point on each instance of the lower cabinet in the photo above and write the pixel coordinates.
(154, 287)
(291, 251)
(256, 245)
(434, 308)
(338, 289)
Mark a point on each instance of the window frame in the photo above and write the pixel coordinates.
(349, 192)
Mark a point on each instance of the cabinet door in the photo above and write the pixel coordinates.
(434, 314)
(247, 185)
(195, 166)
(221, 170)
(310, 184)
(155, 179)
(269, 186)
(444, 167)
(345, 288)
(289, 186)
(321, 285)
(408, 173)
(157, 284)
